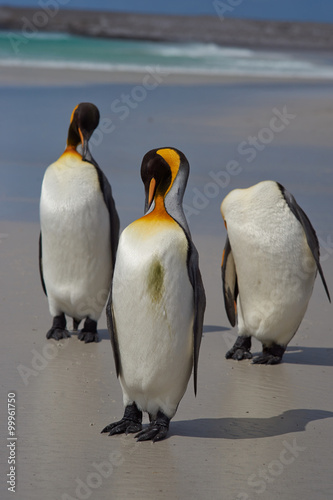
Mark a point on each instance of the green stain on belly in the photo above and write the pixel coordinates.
(155, 281)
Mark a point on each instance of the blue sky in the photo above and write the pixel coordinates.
(302, 10)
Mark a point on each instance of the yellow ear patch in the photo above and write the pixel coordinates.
(223, 257)
(72, 115)
(151, 192)
(172, 158)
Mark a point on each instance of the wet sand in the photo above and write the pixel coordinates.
(252, 431)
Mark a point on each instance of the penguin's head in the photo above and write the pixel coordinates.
(84, 120)
(164, 172)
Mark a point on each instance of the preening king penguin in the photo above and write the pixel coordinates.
(79, 232)
(157, 301)
(269, 265)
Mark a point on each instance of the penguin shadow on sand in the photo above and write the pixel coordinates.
(289, 421)
(316, 356)
(214, 328)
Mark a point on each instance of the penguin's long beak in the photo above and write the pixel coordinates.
(151, 192)
(84, 142)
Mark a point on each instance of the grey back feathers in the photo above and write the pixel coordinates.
(174, 199)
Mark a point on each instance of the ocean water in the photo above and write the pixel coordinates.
(56, 50)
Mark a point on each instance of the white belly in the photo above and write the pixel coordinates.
(153, 310)
(274, 264)
(75, 239)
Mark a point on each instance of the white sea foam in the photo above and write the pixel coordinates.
(197, 50)
(283, 70)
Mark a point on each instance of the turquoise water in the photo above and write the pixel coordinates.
(53, 50)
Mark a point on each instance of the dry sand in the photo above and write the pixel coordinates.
(252, 432)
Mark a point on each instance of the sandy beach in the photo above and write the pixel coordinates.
(252, 432)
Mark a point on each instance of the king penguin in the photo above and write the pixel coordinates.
(157, 301)
(269, 265)
(79, 232)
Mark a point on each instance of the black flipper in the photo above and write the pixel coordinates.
(113, 214)
(309, 231)
(199, 304)
(41, 263)
(109, 202)
(229, 282)
(113, 333)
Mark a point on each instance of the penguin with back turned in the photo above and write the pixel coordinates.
(269, 265)
(79, 232)
(157, 302)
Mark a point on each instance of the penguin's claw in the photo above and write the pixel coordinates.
(271, 355)
(58, 334)
(123, 426)
(130, 423)
(88, 337)
(266, 359)
(155, 432)
(241, 349)
(238, 354)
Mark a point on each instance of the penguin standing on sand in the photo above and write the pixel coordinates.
(79, 232)
(157, 302)
(269, 265)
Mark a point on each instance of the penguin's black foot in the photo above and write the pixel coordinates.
(87, 337)
(156, 430)
(58, 330)
(89, 331)
(57, 334)
(130, 423)
(240, 349)
(270, 355)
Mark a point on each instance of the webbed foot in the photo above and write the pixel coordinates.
(89, 331)
(240, 349)
(156, 430)
(271, 355)
(58, 330)
(130, 423)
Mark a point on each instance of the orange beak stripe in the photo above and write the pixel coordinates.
(81, 136)
(222, 257)
(151, 192)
